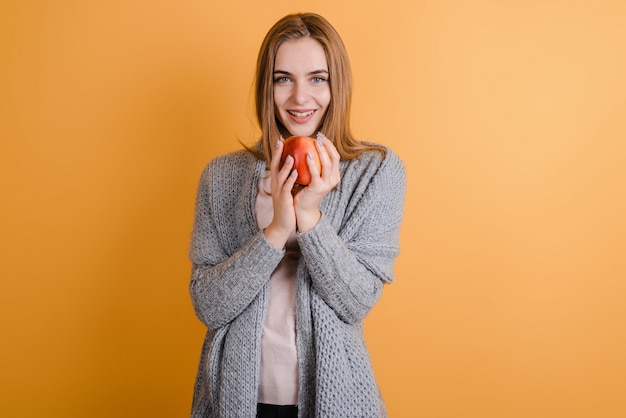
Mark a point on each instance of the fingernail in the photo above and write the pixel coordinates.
(293, 173)
(320, 137)
(288, 159)
(278, 141)
(309, 155)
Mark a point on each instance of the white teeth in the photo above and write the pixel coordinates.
(301, 114)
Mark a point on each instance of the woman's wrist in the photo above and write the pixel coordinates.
(307, 220)
(276, 236)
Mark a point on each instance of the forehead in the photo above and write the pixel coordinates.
(303, 53)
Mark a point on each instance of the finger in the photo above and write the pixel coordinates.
(322, 151)
(313, 169)
(278, 152)
(280, 173)
(291, 180)
(286, 170)
(328, 147)
(332, 151)
(329, 156)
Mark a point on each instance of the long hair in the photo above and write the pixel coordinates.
(336, 122)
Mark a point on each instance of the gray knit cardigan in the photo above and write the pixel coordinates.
(346, 259)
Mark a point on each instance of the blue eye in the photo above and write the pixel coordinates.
(318, 79)
(281, 80)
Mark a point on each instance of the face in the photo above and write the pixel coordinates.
(301, 86)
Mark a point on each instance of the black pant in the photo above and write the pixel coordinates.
(264, 410)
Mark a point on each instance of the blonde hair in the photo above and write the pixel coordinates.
(335, 124)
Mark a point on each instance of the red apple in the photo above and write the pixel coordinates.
(298, 147)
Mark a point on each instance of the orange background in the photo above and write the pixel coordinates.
(510, 299)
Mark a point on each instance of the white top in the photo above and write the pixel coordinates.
(279, 358)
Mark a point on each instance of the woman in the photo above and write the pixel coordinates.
(283, 277)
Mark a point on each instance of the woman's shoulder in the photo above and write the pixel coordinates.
(381, 152)
(379, 157)
(234, 157)
(232, 166)
(234, 160)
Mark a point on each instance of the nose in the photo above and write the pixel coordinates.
(301, 93)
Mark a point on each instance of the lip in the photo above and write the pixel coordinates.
(301, 120)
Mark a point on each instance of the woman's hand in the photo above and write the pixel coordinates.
(307, 200)
(282, 181)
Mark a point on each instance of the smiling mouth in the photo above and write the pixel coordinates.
(301, 115)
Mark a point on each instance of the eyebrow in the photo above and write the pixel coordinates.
(315, 72)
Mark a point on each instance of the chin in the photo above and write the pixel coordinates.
(297, 132)
(310, 129)
(302, 131)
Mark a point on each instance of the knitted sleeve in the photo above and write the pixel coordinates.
(224, 281)
(348, 266)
